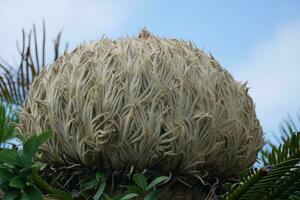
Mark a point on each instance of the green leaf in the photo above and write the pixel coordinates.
(135, 189)
(289, 145)
(156, 181)
(89, 183)
(39, 165)
(154, 195)
(43, 137)
(7, 130)
(33, 167)
(17, 182)
(31, 193)
(32, 144)
(99, 175)
(6, 174)
(10, 157)
(100, 191)
(107, 197)
(12, 194)
(60, 195)
(140, 180)
(25, 159)
(129, 196)
(117, 197)
(272, 184)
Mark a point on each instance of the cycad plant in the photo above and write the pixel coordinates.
(144, 104)
(140, 118)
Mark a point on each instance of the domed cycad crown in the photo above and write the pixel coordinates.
(147, 102)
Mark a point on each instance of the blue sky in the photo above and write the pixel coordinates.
(257, 41)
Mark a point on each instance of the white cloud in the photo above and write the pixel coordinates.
(79, 20)
(273, 74)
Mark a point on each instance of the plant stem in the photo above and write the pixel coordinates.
(48, 189)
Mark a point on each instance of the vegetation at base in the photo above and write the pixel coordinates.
(19, 177)
(22, 177)
(96, 184)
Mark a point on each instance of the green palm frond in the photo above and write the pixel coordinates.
(15, 80)
(289, 147)
(280, 182)
(280, 176)
(7, 129)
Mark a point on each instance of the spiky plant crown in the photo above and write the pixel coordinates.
(144, 102)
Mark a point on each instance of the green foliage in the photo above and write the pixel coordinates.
(18, 171)
(289, 147)
(287, 150)
(273, 184)
(17, 168)
(143, 189)
(31, 146)
(93, 187)
(280, 176)
(95, 182)
(7, 130)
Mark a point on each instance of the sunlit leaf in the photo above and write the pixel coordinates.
(140, 180)
(10, 157)
(17, 182)
(31, 193)
(99, 192)
(6, 174)
(156, 181)
(129, 196)
(32, 144)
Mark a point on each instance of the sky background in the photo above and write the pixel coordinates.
(257, 41)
